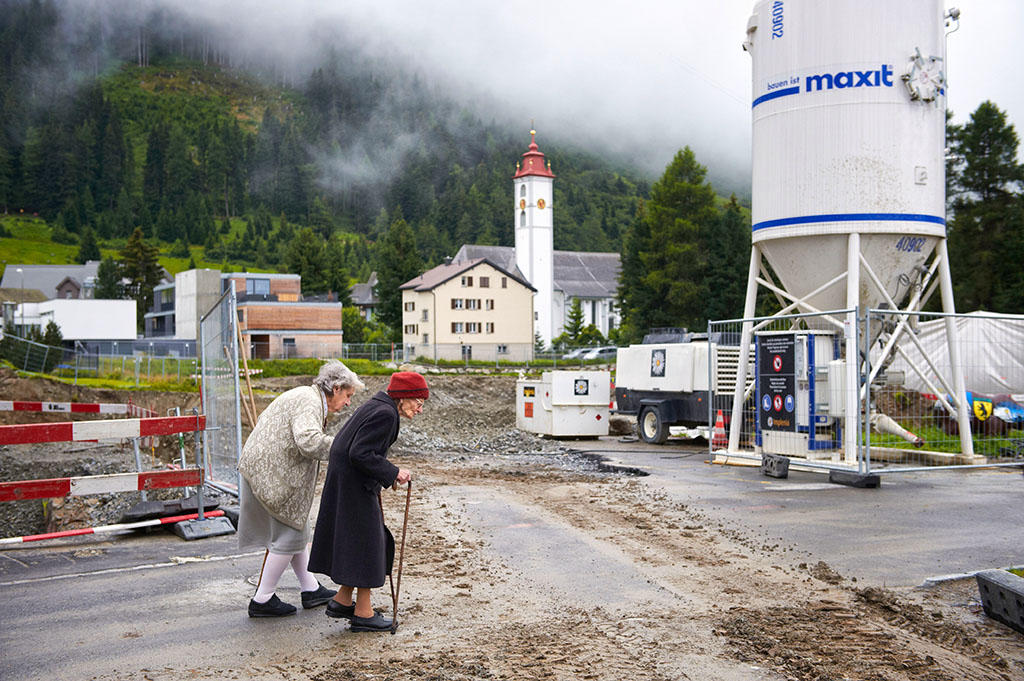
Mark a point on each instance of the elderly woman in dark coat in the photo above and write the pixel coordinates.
(350, 543)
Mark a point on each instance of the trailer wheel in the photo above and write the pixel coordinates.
(652, 428)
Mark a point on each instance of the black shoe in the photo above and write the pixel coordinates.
(312, 599)
(275, 607)
(336, 609)
(376, 623)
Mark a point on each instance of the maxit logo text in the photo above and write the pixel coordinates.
(881, 77)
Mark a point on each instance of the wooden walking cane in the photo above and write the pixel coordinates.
(396, 586)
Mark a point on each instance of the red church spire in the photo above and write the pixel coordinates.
(533, 161)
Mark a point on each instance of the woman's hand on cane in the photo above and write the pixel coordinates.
(404, 476)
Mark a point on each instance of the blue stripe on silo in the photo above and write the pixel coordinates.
(778, 93)
(850, 217)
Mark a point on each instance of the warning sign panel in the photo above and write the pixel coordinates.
(776, 381)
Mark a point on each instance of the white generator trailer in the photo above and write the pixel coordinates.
(682, 382)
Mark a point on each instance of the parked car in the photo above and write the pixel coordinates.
(605, 353)
(576, 354)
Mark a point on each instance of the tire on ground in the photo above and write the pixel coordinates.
(651, 426)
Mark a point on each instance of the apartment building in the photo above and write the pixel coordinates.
(468, 310)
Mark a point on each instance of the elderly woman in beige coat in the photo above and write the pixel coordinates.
(278, 469)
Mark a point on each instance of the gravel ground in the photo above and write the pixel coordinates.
(688, 598)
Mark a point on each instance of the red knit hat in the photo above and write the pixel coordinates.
(407, 384)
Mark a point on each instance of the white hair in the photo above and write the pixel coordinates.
(333, 374)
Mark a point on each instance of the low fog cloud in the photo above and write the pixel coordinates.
(638, 79)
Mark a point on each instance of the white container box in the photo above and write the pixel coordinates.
(564, 403)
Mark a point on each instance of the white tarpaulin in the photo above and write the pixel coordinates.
(991, 353)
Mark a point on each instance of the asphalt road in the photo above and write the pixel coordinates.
(912, 528)
(90, 607)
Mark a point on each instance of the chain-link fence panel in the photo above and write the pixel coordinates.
(218, 341)
(914, 398)
(29, 355)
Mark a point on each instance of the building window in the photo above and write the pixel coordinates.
(411, 330)
(489, 304)
(485, 282)
(426, 316)
(410, 306)
(502, 349)
(504, 282)
(522, 219)
(241, 316)
(257, 287)
(456, 303)
(490, 327)
(472, 303)
(456, 327)
(426, 339)
(522, 190)
(472, 327)
(289, 347)
(467, 281)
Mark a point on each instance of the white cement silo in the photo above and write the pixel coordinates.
(840, 146)
(848, 186)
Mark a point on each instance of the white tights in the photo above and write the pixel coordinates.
(274, 566)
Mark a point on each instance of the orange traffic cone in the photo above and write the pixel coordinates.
(718, 436)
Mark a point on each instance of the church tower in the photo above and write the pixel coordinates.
(534, 223)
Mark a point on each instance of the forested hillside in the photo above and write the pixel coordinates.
(230, 170)
(147, 133)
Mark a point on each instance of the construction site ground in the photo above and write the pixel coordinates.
(531, 558)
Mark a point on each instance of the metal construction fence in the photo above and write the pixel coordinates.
(222, 440)
(898, 407)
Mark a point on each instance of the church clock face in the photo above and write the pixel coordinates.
(522, 204)
(541, 204)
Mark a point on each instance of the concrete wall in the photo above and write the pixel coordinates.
(82, 318)
(195, 292)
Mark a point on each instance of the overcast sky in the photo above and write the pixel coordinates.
(646, 77)
(655, 75)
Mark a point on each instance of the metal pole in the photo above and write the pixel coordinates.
(865, 459)
(963, 419)
(138, 464)
(851, 403)
(238, 388)
(746, 333)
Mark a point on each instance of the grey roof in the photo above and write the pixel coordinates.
(362, 294)
(436, 276)
(579, 274)
(587, 275)
(45, 278)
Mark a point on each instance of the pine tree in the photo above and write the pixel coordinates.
(396, 263)
(988, 221)
(670, 262)
(574, 320)
(728, 258)
(139, 266)
(88, 249)
(304, 256)
(108, 280)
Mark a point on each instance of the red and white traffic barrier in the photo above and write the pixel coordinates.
(76, 407)
(82, 431)
(108, 528)
(20, 490)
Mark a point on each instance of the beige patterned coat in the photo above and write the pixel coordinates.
(279, 460)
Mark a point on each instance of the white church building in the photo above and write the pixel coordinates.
(557, 276)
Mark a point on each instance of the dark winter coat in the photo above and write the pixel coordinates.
(350, 543)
